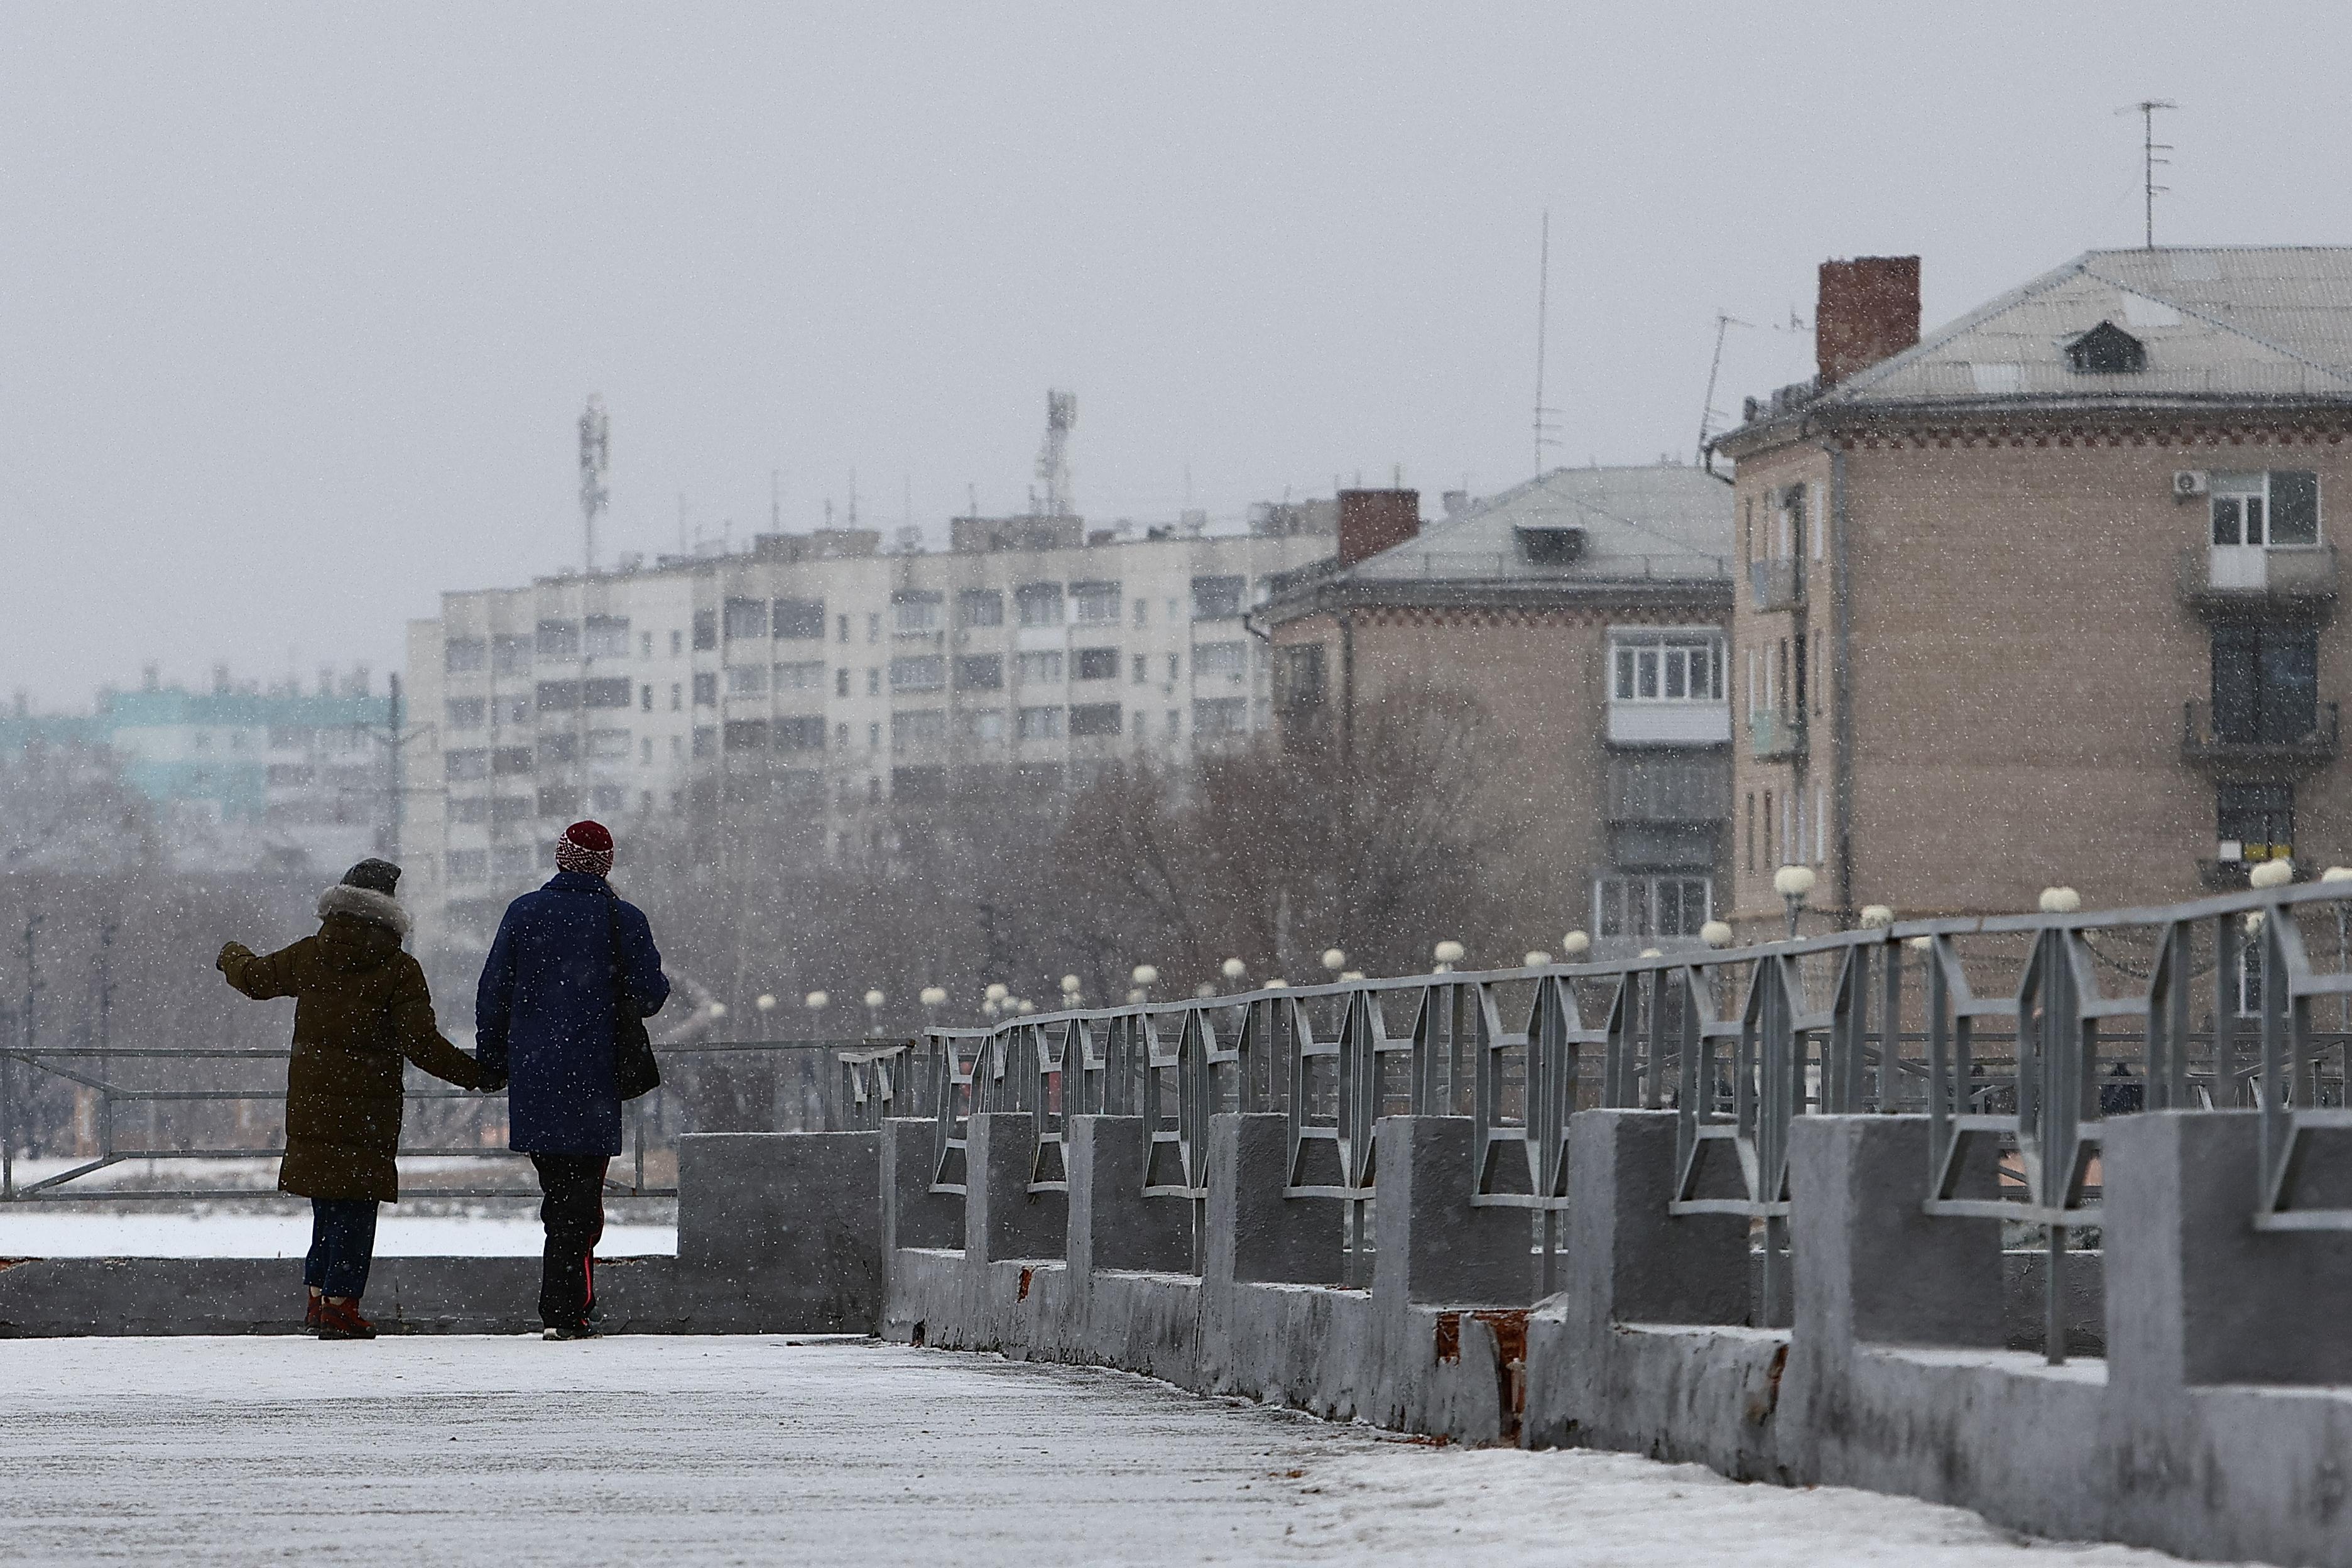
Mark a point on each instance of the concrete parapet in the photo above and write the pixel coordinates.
(780, 1232)
(1255, 1233)
(2197, 1296)
(1432, 1244)
(1112, 1224)
(1630, 1261)
(913, 1214)
(1003, 1219)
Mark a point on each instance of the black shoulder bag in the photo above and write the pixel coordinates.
(634, 1068)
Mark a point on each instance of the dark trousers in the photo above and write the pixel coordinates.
(342, 1245)
(573, 1210)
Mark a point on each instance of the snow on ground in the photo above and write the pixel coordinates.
(93, 1232)
(692, 1451)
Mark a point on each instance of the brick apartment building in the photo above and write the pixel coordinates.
(2047, 596)
(1585, 611)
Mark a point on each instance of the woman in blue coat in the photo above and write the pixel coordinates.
(566, 959)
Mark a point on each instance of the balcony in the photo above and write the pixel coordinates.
(1666, 723)
(1774, 737)
(1778, 585)
(2224, 579)
(2264, 748)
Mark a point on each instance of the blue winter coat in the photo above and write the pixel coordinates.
(544, 1013)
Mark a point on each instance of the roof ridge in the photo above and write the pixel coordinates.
(1930, 343)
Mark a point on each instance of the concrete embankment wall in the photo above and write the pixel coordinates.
(2216, 1426)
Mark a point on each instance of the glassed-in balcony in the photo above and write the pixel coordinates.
(2237, 578)
(1777, 584)
(1772, 735)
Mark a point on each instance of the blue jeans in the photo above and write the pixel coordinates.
(342, 1245)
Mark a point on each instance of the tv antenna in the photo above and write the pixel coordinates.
(1546, 426)
(596, 453)
(2150, 163)
(1724, 322)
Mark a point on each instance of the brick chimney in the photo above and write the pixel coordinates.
(1372, 520)
(1868, 310)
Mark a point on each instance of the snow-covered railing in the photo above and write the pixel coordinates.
(2023, 1032)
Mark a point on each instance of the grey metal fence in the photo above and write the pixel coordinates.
(2026, 1031)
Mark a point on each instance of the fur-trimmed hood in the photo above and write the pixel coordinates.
(361, 904)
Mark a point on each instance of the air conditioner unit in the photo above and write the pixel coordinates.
(2188, 482)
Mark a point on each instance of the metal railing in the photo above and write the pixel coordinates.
(731, 1085)
(2205, 742)
(2097, 1008)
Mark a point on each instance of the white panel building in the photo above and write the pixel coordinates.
(845, 677)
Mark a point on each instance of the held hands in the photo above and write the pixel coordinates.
(229, 951)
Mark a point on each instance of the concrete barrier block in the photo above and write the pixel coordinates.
(779, 1231)
(1871, 1265)
(1254, 1233)
(2196, 1294)
(913, 1215)
(1432, 1244)
(1004, 1220)
(1628, 1259)
(1112, 1224)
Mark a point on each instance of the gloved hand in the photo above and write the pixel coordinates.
(493, 1079)
(229, 951)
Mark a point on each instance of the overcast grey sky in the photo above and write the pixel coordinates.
(300, 302)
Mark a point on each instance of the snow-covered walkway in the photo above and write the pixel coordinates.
(689, 1451)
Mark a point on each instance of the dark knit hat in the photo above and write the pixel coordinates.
(376, 876)
(586, 847)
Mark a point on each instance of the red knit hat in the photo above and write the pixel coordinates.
(586, 847)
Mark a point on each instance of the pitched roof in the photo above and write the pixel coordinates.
(1654, 521)
(2229, 322)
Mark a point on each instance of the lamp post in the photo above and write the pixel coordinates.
(933, 998)
(816, 1002)
(1793, 883)
(874, 1000)
(766, 1004)
(1234, 970)
(1073, 993)
(1145, 976)
(1448, 954)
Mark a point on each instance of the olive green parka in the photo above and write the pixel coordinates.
(360, 1008)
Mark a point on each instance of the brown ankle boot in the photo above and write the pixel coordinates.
(339, 1319)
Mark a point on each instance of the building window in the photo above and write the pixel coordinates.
(469, 865)
(980, 607)
(1173, 722)
(747, 618)
(1038, 668)
(706, 741)
(801, 675)
(1039, 725)
(800, 619)
(466, 713)
(746, 734)
(510, 655)
(706, 629)
(874, 736)
(917, 727)
(468, 811)
(805, 733)
(605, 692)
(1666, 667)
(1098, 664)
(645, 645)
(558, 800)
(923, 672)
(2256, 820)
(706, 689)
(1096, 604)
(1217, 598)
(1038, 604)
(646, 697)
(677, 696)
(608, 745)
(1821, 824)
(557, 696)
(1650, 905)
(2265, 684)
(464, 655)
(1211, 659)
(1094, 718)
(841, 682)
(1221, 716)
(873, 626)
(842, 628)
(552, 749)
(1751, 830)
(558, 641)
(1140, 606)
(513, 709)
(984, 724)
(873, 680)
(2105, 350)
(1142, 670)
(676, 641)
(608, 637)
(979, 672)
(1299, 678)
(2277, 508)
(916, 611)
(841, 737)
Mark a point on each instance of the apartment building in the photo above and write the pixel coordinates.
(2048, 595)
(1586, 613)
(815, 678)
(245, 777)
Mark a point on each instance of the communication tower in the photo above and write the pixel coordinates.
(1054, 461)
(595, 452)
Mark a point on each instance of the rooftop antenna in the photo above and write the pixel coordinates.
(1724, 321)
(1054, 461)
(775, 500)
(2150, 163)
(1547, 430)
(596, 450)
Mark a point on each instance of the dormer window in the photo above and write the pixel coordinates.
(2106, 350)
(1550, 543)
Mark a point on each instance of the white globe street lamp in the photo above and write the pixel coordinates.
(766, 1004)
(1448, 954)
(1233, 970)
(1334, 959)
(1575, 944)
(1793, 883)
(1715, 933)
(1537, 959)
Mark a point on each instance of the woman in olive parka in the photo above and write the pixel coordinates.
(360, 1009)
